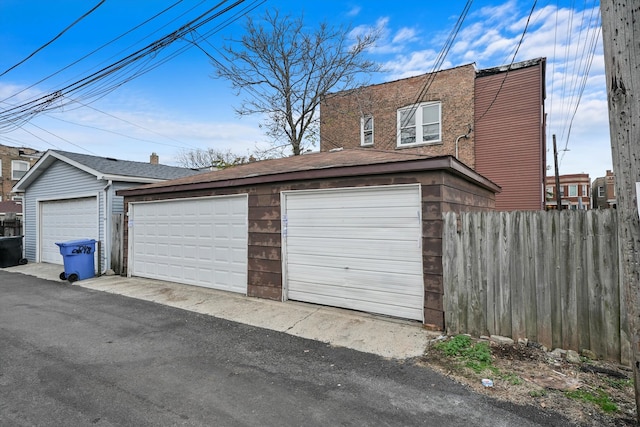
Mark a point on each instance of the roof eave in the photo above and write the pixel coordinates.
(127, 178)
(429, 164)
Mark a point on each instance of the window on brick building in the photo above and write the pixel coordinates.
(573, 191)
(584, 190)
(550, 192)
(600, 191)
(366, 130)
(18, 169)
(419, 124)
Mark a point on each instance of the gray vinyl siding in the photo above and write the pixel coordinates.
(58, 182)
(62, 181)
(117, 205)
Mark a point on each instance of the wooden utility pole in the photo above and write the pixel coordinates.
(620, 21)
(555, 163)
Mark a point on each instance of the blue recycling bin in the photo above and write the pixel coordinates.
(78, 259)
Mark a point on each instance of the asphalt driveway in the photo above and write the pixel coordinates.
(77, 357)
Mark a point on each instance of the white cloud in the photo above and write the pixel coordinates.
(354, 11)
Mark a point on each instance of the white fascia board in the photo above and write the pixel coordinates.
(126, 178)
(45, 161)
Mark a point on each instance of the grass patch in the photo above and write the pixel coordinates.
(511, 378)
(618, 383)
(598, 397)
(538, 393)
(476, 356)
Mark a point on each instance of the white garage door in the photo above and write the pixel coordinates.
(199, 241)
(63, 220)
(356, 248)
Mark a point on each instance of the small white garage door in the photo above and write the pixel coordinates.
(358, 248)
(63, 220)
(198, 241)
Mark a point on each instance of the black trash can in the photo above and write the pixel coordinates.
(11, 251)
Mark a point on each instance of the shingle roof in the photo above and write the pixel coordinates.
(337, 163)
(9, 206)
(111, 166)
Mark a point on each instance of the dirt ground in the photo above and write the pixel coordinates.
(528, 375)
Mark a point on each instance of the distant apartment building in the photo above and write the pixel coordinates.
(14, 163)
(604, 192)
(492, 120)
(575, 191)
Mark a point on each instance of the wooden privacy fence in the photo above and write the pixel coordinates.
(10, 227)
(117, 239)
(551, 277)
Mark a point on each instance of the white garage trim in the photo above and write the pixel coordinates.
(60, 220)
(356, 248)
(196, 241)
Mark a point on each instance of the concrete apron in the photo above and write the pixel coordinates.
(387, 337)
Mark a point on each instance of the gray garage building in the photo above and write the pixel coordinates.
(356, 229)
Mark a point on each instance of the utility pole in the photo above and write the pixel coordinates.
(555, 161)
(620, 21)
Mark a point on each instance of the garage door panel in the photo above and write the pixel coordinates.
(393, 283)
(376, 265)
(373, 232)
(371, 305)
(200, 242)
(353, 248)
(64, 220)
(393, 197)
(356, 248)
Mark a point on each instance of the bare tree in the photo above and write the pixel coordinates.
(285, 70)
(210, 158)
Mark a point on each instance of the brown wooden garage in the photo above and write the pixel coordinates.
(357, 229)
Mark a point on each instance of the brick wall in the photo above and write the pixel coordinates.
(7, 154)
(340, 113)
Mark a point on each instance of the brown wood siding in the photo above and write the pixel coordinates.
(509, 136)
(441, 192)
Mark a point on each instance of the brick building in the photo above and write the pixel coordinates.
(492, 120)
(14, 163)
(604, 191)
(575, 191)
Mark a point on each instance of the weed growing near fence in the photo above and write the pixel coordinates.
(597, 397)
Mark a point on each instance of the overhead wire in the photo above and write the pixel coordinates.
(32, 54)
(430, 78)
(55, 99)
(95, 50)
(515, 54)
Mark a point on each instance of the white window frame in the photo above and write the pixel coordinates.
(14, 169)
(17, 199)
(572, 190)
(416, 111)
(584, 190)
(550, 192)
(366, 132)
(601, 191)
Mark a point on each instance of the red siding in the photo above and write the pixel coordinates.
(509, 136)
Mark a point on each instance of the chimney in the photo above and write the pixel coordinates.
(154, 159)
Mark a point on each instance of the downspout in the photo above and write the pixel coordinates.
(107, 227)
(465, 136)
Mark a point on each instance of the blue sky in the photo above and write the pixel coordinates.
(177, 105)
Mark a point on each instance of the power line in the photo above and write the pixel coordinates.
(512, 61)
(60, 97)
(53, 39)
(430, 78)
(94, 51)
